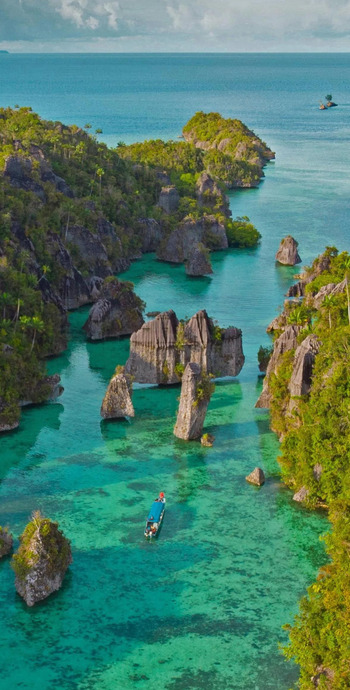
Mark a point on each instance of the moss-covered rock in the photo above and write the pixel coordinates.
(41, 560)
(6, 542)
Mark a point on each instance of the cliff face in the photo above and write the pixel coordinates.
(169, 199)
(163, 347)
(117, 312)
(117, 401)
(194, 401)
(198, 262)
(286, 341)
(41, 560)
(178, 246)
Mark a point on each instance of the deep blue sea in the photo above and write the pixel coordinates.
(203, 607)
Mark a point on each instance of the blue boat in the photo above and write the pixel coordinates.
(155, 517)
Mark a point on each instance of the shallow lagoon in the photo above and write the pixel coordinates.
(203, 606)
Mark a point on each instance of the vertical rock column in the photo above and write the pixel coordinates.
(196, 390)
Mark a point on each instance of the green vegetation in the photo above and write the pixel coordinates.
(41, 538)
(264, 354)
(71, 208)
(205, 389)
(315, 454)
(242, 233)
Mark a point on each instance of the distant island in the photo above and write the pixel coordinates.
(4, 51)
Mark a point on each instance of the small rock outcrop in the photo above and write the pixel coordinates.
(196, 390)
(288, 252)
(163, 347)
(41, 560)
(117, 312)
(198, 262)
(329, 290)
(117, 401)
(286, 341)
(301, 495)
(169, 199)
(207, 440)
(304, 359)
(256, 477)
(6, 542)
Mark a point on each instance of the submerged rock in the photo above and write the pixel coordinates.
(196, 390)
(41, 560)
(198, 262)
(288, 252)
(6, 542)
(117, 401)
(161, 349)
(256, 477)
(117, 312)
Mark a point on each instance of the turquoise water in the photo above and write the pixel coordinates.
(203, 606)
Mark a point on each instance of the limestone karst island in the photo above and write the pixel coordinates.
(174, 351)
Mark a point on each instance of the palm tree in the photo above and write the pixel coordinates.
(45, 270)
(19, 305)
(100, 172)
(33, 323)
(329, 97)
(328, 303)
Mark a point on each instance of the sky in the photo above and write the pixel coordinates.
(175, 25)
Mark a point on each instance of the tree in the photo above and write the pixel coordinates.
(328, 303)
(329, 97)
(87, 126)
(98, 130)
(100, 172)
(5, 301)
(35, 324)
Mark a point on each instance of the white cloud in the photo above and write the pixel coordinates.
(184, 25)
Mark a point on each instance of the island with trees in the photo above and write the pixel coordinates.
(308, 392)
(74, 213)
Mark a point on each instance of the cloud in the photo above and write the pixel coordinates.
(185, 25)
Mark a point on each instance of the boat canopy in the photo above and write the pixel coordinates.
(156, 511)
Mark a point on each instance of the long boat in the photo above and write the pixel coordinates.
(155, 517)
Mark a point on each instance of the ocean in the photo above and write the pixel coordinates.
(204, 605)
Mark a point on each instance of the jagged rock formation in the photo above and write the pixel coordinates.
(328, 290)
(117, 401)
(41, 560)
(287, 253)
(117, 312)
(163, 347)
(169, 199)
(286, 341)
(296, 290)
(6, 542)
(194, 400)
(209, 193)
(177, 247)
(256, 477)
(198, 262)
(304, 359)
(150, 234)
(19, 171)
